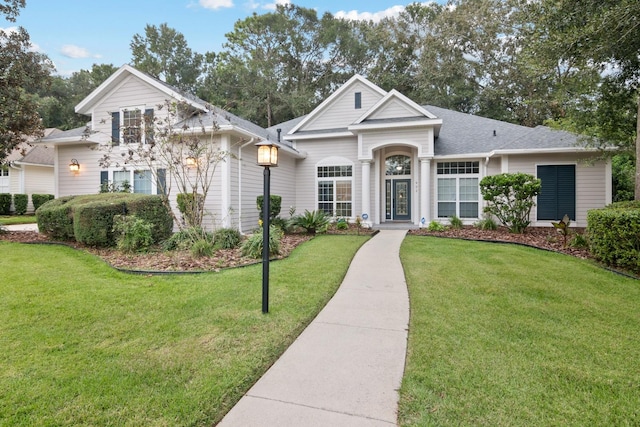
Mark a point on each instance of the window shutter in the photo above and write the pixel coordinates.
(161, 182)
(115, 128)
(558, 193)
(104, 181)
(148, 125)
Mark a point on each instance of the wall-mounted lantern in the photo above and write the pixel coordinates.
(74, 166)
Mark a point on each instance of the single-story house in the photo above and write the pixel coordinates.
(363, 152)
(29, 170)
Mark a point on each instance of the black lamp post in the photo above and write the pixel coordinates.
(267, 157)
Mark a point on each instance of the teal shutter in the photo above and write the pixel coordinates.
(115, 128)
(557, 197)
(104, 180)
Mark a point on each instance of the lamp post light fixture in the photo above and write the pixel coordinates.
(191, 161)
(268, 158)
(74, 166)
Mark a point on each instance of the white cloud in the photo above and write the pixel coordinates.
(75, 52)
(273, 6)
(33, 47)
(354, 15)
(216, 4)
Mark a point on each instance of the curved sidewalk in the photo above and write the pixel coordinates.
(347, 365)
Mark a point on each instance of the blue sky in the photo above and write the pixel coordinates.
(76, 34)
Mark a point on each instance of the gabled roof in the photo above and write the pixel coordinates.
(326, 104)
(395, 97)
(464, 134)
(85, 106)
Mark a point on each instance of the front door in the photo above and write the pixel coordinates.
(398, 199)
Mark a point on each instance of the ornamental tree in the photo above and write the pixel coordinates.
(510, 197)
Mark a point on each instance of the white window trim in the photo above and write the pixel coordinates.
(131, 172)
(458, 201)
(335, 161)
(124, 145)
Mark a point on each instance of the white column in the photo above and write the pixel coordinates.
(425, 191)
(366, 191)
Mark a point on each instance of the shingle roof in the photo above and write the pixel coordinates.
(463, 133)
(39, 155)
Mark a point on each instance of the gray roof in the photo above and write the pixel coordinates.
(39, 155)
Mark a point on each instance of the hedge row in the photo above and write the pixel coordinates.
(614, 235)
(20, 202)
(89, 219)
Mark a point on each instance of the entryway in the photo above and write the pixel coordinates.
(398, 200)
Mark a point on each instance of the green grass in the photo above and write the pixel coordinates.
(82, 344)
(17, 219)
(503, 335)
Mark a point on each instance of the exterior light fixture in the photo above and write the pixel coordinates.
(268, 158)
(190, 161)
(74, 166)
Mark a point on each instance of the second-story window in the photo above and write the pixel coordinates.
(132, 125)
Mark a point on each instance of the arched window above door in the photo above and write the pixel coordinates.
(398, 165)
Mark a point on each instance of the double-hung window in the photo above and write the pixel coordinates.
(458, 189)
(132, 125)
(335, 190)
(135, 181)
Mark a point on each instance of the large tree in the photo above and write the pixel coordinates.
(604, 32)
(164, 53)
(22, 72)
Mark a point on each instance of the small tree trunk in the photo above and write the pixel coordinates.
(637, 192)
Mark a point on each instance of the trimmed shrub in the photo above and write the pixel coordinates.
(89, 219)
(40, 199)
(510, 198)
(613, 235)
(275, 205)
(55, 218)
(132, 233)
(20, 202)
(252, 247)
(93, 222)
(227, 238)
(152, 210)
(5, 203)
(436, 226)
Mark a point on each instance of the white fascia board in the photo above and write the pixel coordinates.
(386, 99)
(558, 150)
(318, 136)
(32, 164)
(395, 125)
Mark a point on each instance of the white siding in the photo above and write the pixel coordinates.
(395, 109)
(38, 180)
(591, 182)
(87, 180)
(342, 112)
(306, 186)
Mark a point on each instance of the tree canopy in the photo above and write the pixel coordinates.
(22, 72)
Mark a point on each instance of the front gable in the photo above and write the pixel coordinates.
(342, 108)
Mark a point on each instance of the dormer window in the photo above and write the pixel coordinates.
(133, 125)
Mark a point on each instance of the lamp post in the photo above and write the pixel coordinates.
(267, 157)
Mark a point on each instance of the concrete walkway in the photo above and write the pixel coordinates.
(22, 227)
(347, 365)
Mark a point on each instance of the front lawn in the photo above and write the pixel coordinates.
(82, 344)
(17, 219)
(504, 335)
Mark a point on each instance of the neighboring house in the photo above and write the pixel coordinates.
(29, 170)
(362, 152)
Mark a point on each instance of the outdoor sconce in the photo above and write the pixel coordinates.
(267, 157)
(74, 166)
(191, 161)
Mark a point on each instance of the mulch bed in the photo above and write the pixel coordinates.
(159, 261)
(538, 237)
